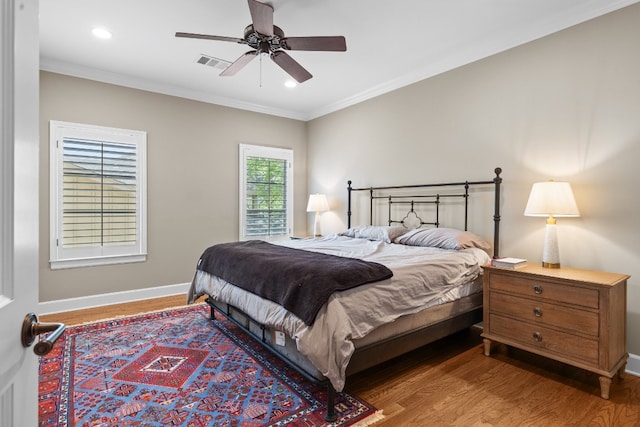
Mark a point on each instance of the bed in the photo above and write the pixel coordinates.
(434, 287)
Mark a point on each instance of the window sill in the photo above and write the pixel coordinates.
(92, 262)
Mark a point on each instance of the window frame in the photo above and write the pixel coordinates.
(248, 150)
(60, 257)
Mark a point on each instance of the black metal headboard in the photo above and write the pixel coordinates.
(435, 198)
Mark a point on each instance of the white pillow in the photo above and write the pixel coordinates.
(445, 238)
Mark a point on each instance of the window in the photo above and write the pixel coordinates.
(98, 195)
(266, 192)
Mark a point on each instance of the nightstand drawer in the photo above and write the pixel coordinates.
(545, 339)
(545, 313)
(542, 289)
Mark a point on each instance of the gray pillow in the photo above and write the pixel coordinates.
(381, 233)
(445, 238)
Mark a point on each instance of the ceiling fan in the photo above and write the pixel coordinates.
(264, 37)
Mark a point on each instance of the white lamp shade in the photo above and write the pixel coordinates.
(551, 198)
(317, 203)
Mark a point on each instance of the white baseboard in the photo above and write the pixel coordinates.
(633, 365)
(57, 306)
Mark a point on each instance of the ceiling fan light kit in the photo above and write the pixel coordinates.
(264, 37)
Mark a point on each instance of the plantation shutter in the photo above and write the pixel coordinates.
(99, 193)
(98, 199)
(266, 192)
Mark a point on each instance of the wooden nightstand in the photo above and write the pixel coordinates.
(574, 316)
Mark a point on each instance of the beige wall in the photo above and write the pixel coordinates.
(566, 107)
(192, 177)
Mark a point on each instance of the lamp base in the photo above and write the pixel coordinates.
(551, 264)
(550, 252)
(316, 225)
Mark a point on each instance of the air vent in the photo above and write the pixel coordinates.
(210, 61)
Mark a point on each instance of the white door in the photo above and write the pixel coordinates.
(18, 208)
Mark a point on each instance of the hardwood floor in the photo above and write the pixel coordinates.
(78, 317)
(451, 383)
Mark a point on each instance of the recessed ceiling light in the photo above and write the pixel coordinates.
(290, 83)
(101, 33)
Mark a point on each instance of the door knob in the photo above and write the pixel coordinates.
(31, 328)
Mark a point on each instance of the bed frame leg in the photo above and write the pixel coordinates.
(330, 416)
(212, 315)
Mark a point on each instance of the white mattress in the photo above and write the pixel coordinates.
(423, 277)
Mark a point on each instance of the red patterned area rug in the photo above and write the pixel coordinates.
(178, 368)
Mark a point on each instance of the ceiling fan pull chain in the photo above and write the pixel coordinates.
(260, 69)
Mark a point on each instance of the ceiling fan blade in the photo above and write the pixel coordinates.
(288, 64)
(262, 17)
(326, 43)
(208, 37)
(239, 63)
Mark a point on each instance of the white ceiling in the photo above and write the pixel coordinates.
(389, 44)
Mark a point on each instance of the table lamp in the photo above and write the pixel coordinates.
(317, 203)
(551, 199)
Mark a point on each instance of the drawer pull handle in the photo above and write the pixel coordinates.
(537, 289)
(537, 312)
(537, 336)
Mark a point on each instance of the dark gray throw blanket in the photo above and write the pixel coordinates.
(301, 281)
